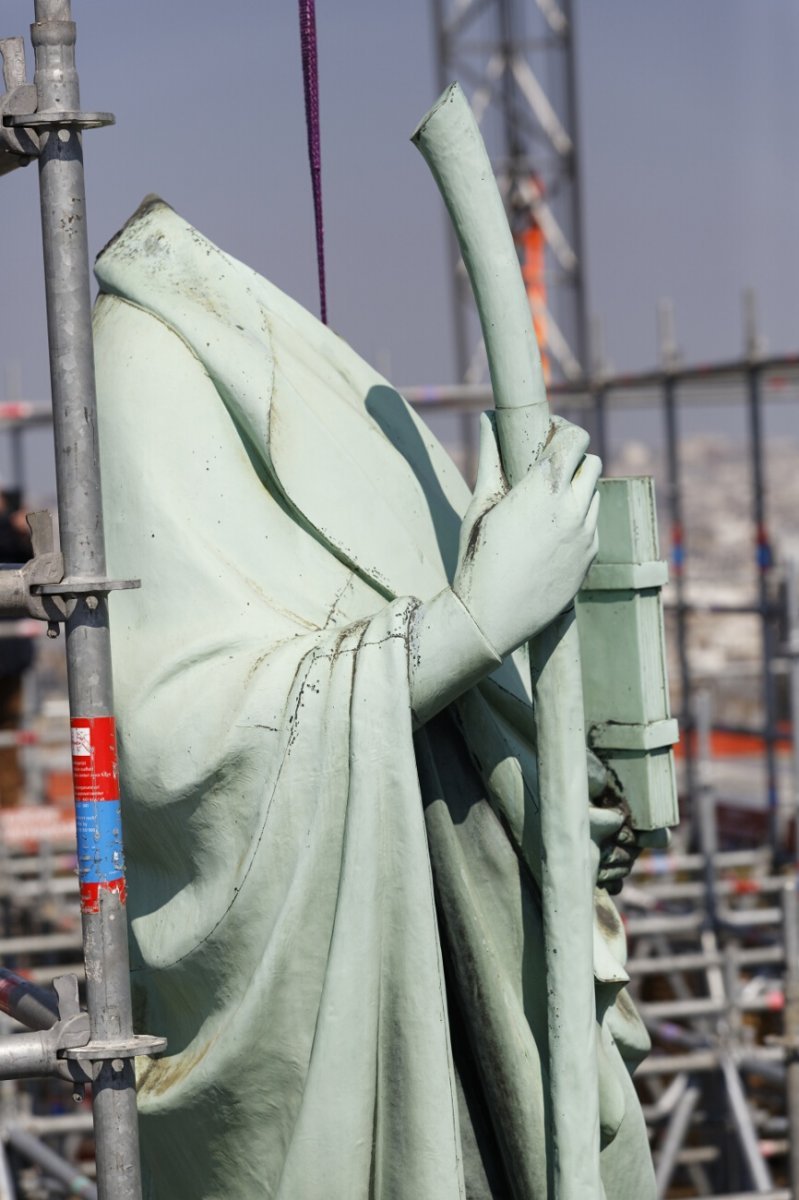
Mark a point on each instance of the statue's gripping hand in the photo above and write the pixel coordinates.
(523, 554)
(525, 551)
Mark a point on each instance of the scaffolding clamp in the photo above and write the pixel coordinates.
(65, 1048)
(21, 122)
(87, 1059)
(39, 589)
(18, 147)
(42, 1052)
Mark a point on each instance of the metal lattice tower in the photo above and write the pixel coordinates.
(515, 59)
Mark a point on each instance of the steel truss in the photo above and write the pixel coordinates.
(516, 61)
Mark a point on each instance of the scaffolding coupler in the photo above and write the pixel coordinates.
(18, 147)
(40, 589)
(60, 1042)
(22, 121)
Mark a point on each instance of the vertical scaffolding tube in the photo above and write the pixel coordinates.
(674, 1137)
(570, 52)
(763, 552)
(674, 492)
(705, 801)
(16, 449)
(792, 614)
(790, 910)
(741, 1113)
(17, 454)
(7, 1189)
(66, 262)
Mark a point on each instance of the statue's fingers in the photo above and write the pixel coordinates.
(491, 482)
(566, 450)
(585, 480)
(490, 485)
(604, 823)
(617, 871)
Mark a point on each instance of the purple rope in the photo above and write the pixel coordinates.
(310, 78)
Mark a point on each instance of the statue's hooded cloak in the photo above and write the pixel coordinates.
(334, 921)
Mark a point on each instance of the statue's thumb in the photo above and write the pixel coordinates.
(491, 483)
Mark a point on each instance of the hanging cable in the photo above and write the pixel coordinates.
(310, 77)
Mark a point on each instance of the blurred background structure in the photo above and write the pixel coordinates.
(643, 151)
(518, 62)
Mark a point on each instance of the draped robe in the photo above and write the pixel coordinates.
(334, 919)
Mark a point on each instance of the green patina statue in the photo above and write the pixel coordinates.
(334, 773)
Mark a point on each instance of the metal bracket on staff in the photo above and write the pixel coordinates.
(44, 121)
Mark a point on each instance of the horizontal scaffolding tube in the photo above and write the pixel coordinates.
(655, 923)
(661, 864)
(26, 1055)
(478, 396)
(43, 943)
(695, 889)
(779, 1194)
(30, 1005)
(55, 1126)
(706, 1006)
(51, 1163)
(707, 1060)
(664, 964)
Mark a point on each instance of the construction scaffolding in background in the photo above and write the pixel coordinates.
(516, 61)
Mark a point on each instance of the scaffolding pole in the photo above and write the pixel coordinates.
(674, 494)
(791, 1022)
(67, 288)
(763, 555)
(74, 589)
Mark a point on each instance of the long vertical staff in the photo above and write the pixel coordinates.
(450, 141)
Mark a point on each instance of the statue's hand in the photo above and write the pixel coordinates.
(523, 555)
(617, 846)
(525, 551)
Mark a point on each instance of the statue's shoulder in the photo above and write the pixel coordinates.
(353, 461)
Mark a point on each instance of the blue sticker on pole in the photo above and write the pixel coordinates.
(100, 855)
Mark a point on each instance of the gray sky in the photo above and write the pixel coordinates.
(690, 166)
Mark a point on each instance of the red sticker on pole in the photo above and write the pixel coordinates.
(98, 816)
(94, 758)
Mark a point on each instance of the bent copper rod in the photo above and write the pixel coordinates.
(450, 141)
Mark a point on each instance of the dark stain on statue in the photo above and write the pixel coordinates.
(608, 921)
(147, 205)
(474, 539)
